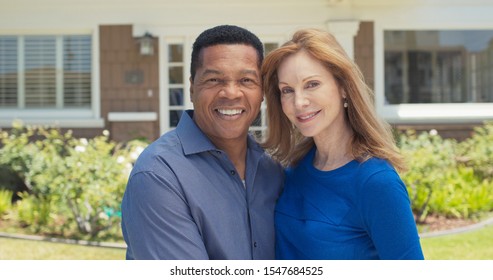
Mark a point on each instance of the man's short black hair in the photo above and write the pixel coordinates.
(224, 34)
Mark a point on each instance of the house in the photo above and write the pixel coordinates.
(87, 65)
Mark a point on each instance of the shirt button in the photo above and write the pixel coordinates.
(232, 172)
(255, 244)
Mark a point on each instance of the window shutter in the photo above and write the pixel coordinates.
(40, 71)
(8, 71)
(77, 71)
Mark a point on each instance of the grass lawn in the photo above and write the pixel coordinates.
(16, 249)
(474, 245)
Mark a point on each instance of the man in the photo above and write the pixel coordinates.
(206, 190)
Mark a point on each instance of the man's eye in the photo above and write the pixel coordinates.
(213, 81)
(248, 81)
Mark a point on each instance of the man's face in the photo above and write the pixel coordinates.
(226, 91)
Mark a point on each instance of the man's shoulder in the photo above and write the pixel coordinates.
(164, 149)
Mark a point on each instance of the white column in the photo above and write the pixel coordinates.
(344, 31)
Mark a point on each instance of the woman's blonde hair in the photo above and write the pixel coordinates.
(371, 136)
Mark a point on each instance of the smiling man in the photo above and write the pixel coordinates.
(207, 190)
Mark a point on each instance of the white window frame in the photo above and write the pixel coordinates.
(61, 117)
(423, 113)
(164, 87)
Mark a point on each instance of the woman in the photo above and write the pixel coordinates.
(343, 198)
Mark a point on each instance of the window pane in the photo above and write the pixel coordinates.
(268, 47)
(8, 71)
(176, 75)
(174, 117)
(438, 66)
(175, 96)
(77, 71)
(258, 120)
(175, 53)
(40, 71)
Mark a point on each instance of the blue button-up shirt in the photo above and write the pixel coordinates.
(185, 200)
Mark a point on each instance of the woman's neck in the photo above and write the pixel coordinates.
(333, 149)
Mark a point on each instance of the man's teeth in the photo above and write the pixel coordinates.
(230, 112)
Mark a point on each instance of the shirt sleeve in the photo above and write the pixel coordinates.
(387, 213)
(156, 220)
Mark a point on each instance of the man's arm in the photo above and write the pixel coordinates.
(156, 220)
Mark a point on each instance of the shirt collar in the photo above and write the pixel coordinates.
(195, 141)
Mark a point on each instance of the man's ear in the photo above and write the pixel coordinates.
(191, 88)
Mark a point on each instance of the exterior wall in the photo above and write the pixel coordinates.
(129, 83)
(363, 52)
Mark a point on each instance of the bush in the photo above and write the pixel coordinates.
(446, 177)
(5, 201)
(477, 151)
(74, 184)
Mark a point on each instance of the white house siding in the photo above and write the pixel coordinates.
(273, 20)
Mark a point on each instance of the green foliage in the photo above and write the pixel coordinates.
(429, 158)
(74, 184)
(477, 151)
(446, 177)
(35, 213)
(5, 201)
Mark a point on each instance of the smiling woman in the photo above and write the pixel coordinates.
(342, 197)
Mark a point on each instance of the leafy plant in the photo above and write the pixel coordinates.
(429, 158)
(73, 183)
(477, 151)
(448, 178)
(5, 201)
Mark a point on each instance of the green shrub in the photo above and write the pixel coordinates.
(448, 178)
(477, 151)
(462, 194)
(429, 158)
(74, 184)
(35, 213)
(5, 201)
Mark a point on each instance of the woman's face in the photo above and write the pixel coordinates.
(310, 95)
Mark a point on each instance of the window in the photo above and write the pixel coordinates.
(429, 67)
(176, 79)
(259, 126)
(45, 72)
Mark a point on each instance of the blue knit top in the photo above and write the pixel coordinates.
(358, 211)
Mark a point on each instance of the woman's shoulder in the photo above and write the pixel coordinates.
(376, 170)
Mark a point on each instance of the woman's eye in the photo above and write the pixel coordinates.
(286, 90)
(312, 84)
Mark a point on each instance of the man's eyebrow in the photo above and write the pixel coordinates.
(211, 72)
(249, 72)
